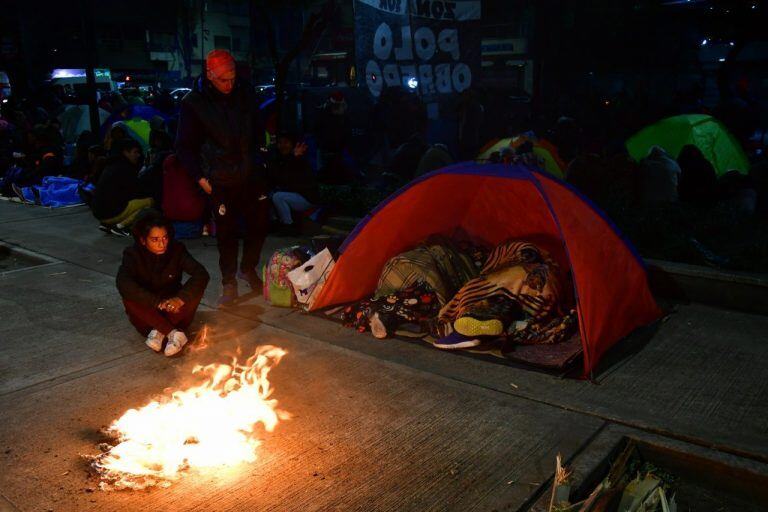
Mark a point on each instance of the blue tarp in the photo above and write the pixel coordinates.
(57, 191)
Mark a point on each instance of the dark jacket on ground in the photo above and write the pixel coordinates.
(293, 174)
(149, 278)
(118, 184)
(219, 135)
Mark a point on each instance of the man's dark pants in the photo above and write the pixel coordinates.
(240, 202)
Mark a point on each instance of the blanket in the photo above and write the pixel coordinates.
(439, 263)
(519, 280)
(55, 192)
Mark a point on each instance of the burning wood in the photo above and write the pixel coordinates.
(208, 425)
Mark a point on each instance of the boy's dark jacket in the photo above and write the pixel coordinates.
(149, 278)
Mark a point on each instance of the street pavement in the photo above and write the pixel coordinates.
(376, 425)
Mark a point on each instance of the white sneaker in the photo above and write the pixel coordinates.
(155, 340)
(176, 341)
(377, 327)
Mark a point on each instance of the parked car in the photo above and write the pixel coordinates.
(179, 93)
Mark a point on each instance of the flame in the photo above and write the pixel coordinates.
(208, 425)
(201, 340)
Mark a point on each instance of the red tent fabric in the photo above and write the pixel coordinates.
(495, 203)
(182, 200)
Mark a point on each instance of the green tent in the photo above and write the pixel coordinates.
(717, 144)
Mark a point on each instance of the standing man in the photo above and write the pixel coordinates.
(218, 143)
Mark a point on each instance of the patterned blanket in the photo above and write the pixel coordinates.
(518, 280)
(439, 263)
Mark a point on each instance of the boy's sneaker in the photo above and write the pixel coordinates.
(176, 341)
(155, 340)
(456, 341)
(228, 295)
(104, 228)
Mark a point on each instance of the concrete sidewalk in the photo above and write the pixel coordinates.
(378, 425)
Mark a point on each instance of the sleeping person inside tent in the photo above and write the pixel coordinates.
(463, 296)
(504, 257)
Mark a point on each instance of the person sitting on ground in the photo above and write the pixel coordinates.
(97, 161)
(698, 180)
(435, 157)
(658, 177)
(291, 178)
(405, 159)
(151, 175)
(737, 192)
(81, 161)
(114, 135)
(149, 281)
(41, 158)
(117, 197)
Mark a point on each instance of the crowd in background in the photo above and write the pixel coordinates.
(704, 217)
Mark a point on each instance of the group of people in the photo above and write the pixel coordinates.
(219, 149)
(210, 165)
(218, 144)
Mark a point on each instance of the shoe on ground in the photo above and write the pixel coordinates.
(228, 295)
(119, 230)
(253, 280)
(20, 193)
(176, 341)
(155, 340)
(377, 327)
(455, 341)
(104, 228)
(469, 326)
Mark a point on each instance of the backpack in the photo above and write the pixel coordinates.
(277, 288)
(182, 200)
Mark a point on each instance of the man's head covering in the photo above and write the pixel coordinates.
(219, 62)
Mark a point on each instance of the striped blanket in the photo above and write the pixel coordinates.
(518, 280)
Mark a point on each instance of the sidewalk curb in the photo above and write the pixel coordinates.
(742, 291)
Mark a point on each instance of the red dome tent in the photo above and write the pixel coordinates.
(496, 203)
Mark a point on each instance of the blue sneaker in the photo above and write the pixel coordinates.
(455, 341)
